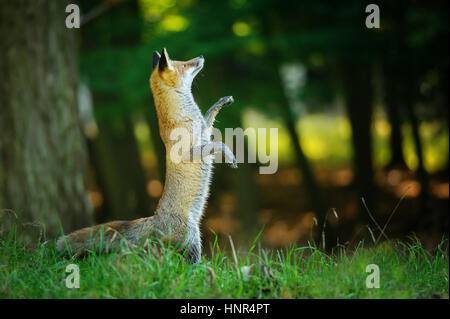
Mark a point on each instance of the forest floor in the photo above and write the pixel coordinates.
(405, 270)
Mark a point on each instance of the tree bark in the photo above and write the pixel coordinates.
(393, 105)
(119, 171)
(409, 96)
(42, 149)
(357, 85)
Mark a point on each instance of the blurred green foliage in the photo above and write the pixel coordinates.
(240, 39)
(342, 95)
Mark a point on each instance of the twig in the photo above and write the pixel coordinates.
(234, 256)
(98, 10)
(373, 219)
(371, 234)
(7, 210)
(393, 212)
(333, 210)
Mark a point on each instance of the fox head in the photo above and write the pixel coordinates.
(175, 74)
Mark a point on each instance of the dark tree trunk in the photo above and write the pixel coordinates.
(357, 85)
(315, 202)
(314, 199)
(313, 194)
(409, 96)
(247, 199)
(119, 171)
(392, 96)
(42, 149)
(393, 70)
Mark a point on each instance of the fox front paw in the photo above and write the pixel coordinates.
(234, 163)
(226, 100)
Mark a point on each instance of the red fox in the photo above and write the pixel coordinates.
(180, 209)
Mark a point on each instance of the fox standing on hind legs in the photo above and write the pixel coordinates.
(180, 209)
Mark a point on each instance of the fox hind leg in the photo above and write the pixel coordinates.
(194, 252)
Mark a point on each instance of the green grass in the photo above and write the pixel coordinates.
(406, 271)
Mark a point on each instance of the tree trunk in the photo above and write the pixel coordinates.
(314, 199)
(409, 96)
(42, 149)
(247, 198)
(357, 84)
(393, 107)
(119, 171)
(313, 193)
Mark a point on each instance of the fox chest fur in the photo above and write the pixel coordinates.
(187, 182)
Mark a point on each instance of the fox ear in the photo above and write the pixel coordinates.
(156, 57)
(164, 61)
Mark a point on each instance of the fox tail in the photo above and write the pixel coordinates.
(103, 236)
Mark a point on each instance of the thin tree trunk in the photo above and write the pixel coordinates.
(314, 199)
(315, 202)
(247, 198)
(393, 107)
(409, 94)
(42, 149)
(119, 171)
(313, 194)
(357, 84)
